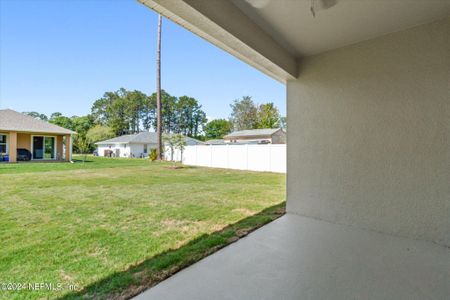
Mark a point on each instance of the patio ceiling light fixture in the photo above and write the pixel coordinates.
(321, 4)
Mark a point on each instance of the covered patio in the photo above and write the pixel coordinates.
(368, 193)
(296, 257)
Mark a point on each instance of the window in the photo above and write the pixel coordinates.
(145, 148)
(3, 145)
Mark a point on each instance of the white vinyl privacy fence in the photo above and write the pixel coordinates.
(266, 158)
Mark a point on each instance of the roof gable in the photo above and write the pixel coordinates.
(11, 120)
(144, 137)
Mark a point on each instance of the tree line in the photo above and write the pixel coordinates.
(127, 112)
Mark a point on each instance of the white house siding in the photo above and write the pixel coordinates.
(369, 133)
(126, 150)
(279, 137)
(137, 150)
(113, 147)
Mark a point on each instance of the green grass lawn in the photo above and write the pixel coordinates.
(109, 228)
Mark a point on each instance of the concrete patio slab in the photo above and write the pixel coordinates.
(296, 257)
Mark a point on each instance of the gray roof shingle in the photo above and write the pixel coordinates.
(266, 132)
(215, 142)
(144, 137)
(11, 120)
(191, 141)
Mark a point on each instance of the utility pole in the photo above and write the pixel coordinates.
(158, 93)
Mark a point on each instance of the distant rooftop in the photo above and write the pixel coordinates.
(215, 142)
(257, 133)
(11, 120)
(144, 137)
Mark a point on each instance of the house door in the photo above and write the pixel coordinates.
(44, 147)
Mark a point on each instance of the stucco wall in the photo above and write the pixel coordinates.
(60, 147)
(24, 141)
(369, 135)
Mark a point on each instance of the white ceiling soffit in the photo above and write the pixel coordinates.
(337, 23)
(272, 34)
(223, 24)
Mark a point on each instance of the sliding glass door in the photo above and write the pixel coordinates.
(49, 147)
(44, 147)
(38, 147)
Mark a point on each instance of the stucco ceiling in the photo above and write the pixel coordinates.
(291, 24)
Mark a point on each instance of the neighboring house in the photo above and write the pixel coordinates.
(130, 145)
(262, 136)
(32, 139)
(133, 145)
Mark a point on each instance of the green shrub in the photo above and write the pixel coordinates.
(152, 155)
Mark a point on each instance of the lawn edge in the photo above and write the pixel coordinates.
(159, 268)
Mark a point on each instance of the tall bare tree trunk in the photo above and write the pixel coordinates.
(158, 93)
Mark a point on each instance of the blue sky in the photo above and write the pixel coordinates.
(61, 56)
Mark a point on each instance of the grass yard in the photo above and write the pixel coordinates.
(110, 228)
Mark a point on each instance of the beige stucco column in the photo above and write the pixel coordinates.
(60, 147)
(12, 147)
(68, 147)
